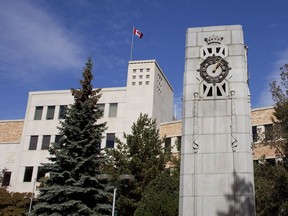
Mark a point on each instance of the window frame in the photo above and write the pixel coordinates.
(178, 143)
(167, 144)
(254, 134)
(50, 113)
(113, 109)
(40, 173)
(268, 132)
(33, 142)
(110, 140)
(62, 111)
(57, 139)
(38, 113)
(46, 140)
(101, 106)
(28, 173)
(6, 179)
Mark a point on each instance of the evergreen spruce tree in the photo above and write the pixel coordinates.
(72, 187)
(161, 197)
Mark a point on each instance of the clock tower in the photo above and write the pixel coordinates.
(216, 156)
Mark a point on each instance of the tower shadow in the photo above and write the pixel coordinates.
(241, 201)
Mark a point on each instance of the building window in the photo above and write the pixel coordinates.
(178, 143)
(133, 83)
(254, 134)
(6, 179)
(268, 132)
(33, 142)
(167, 142)
(133, 77)
(147, 76)
(45, 142)
(270, 161)
(57, 141)
(113, 110)
(147, 82)
(140, 83)
(28, 174)
(50, 112)
(141, 70)
(110, 140)
(41, 173)
(141, 76)
(134, 70)
(101, 107)
(62, 111)
(38, 113)
(147, 69)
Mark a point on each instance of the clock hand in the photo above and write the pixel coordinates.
(216, 67)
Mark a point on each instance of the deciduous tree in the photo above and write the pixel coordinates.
(13, 204)
(271, 189)
(271, 180)
(280, 120)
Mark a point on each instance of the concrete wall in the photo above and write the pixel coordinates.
(140, 95)
(216, 157)
(11, 131)
(10, 136)
(148, 88)
(259, 117)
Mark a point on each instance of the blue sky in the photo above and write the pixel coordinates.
(44, 44)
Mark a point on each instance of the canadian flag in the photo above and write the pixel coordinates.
(137, 33)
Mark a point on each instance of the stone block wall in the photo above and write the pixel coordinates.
(259, 117)
(262, 116)
(171, 129)
(11, 131)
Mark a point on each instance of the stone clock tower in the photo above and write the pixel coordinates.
(216, 156)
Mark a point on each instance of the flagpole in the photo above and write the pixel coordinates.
(132, 41)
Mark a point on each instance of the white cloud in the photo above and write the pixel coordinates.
(265, 98)
(178, 105)
(33, 42)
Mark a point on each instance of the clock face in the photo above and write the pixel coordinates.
(214, 69)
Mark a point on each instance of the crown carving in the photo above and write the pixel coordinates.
(213, 40)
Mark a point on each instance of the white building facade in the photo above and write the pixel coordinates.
(10, 138)
(147, 91)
